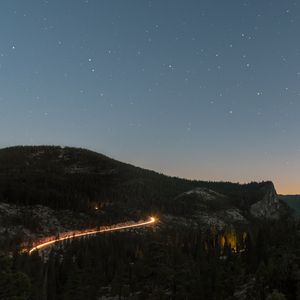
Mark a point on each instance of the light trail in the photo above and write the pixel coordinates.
(47, 244)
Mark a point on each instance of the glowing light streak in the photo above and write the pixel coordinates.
(73, 235)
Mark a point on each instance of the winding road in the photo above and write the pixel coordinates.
(45, 245)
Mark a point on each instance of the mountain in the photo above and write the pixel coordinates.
(213, 240)
(58, 189)
(293, 201)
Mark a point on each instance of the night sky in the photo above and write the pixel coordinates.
(199, 89)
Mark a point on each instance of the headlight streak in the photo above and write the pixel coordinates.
(47, 244)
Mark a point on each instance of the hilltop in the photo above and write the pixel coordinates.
(74, 178)
(58, 189)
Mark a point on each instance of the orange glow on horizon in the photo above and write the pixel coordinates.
(287, 189)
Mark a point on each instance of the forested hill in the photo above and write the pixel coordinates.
(213, 240)
(73, 178)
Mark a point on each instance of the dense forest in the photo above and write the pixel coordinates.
(172, 263)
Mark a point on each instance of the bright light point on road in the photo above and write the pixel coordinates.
(153, 219)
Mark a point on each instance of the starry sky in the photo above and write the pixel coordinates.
(204, 89)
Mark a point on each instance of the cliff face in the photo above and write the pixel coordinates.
(270, 207)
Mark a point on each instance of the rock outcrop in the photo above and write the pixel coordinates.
(213, 209)
(270, 207)
(209, 208)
